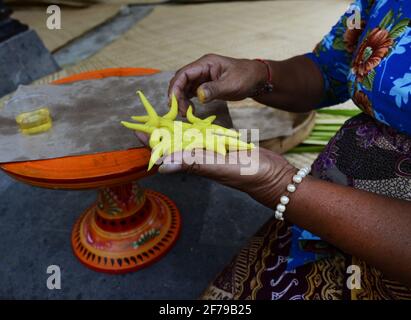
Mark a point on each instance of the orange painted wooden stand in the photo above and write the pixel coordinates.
(127, 228)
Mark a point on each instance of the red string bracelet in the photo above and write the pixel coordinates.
(268, 86)
(269, 75)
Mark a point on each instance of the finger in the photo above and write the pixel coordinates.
(178, 91)
(219, 89)
(184, 77)
(172, 163)
(196, 161)
(183, 105)
(185, 83)
(183, 102)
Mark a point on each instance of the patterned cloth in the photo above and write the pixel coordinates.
(371, 65)
(364, 154)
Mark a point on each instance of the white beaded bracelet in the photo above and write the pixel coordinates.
(285, 199)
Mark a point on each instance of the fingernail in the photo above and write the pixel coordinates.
(203, 94)
(170, 167)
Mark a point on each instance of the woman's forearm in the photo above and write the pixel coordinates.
(297, 85)
(372, 227)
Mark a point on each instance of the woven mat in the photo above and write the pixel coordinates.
(173, 35)
(83, 3)
(66, 3)
(74, 21)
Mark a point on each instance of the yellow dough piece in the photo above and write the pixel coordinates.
(34, 122)
(168, 135)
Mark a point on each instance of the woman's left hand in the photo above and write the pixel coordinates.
(261, 173)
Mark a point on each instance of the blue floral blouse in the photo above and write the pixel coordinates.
(370, 65)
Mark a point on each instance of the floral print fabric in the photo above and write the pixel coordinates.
(370, 65)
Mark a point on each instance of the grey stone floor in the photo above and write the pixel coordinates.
(35, 227)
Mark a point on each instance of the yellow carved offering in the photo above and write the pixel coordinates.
(168, 135)
(34, 122)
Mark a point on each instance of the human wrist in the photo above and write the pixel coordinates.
(284, 178)
(259, 70)
(263, 84)
(275, 185)
(258, 76)
(288, 193)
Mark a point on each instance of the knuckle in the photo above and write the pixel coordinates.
(178, 73)
(183, 70)
(208, 56)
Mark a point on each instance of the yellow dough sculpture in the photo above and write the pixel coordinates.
(168, 135)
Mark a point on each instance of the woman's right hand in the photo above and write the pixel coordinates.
(217, 77)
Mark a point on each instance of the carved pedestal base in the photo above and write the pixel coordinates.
(126, 229)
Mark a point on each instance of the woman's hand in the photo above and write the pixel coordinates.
(217, 77)
(297, 82)
(259, 172)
